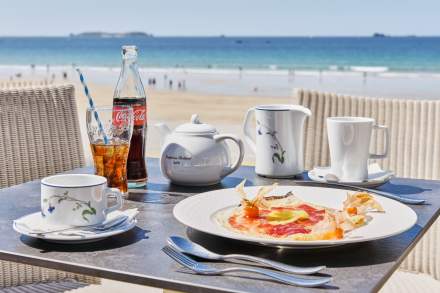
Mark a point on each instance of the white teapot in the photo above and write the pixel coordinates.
(195, 154)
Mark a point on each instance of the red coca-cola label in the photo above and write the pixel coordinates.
(139, 113)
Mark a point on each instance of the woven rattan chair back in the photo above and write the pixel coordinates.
(25, 83)
(40, 133)
(40, 136)
(415, 135)
(414, 148)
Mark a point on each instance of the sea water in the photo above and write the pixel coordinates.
(395, 54)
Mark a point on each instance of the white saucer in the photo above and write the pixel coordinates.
(66, 238)
(376, 176)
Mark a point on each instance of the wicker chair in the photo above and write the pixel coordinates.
(25, 83)
(414, 152)
(40, 136)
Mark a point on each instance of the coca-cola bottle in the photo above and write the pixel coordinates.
(130, 92)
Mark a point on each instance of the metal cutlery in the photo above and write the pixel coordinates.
(402, 199)
(204, 269)
(98, 227)
(186, 246)
(86, 232)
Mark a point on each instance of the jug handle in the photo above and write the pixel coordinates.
(237, 164)
(248, 132)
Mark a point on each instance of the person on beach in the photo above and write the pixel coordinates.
(165, 78)
(170, 84)
(291, 75)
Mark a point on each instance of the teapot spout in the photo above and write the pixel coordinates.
(163, 129)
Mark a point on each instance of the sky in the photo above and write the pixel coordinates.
(228, 17)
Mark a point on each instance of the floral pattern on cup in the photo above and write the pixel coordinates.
(278, 151)
(84, 206)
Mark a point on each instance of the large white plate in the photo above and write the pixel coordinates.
(198, 213)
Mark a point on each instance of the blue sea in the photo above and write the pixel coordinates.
(413, 54)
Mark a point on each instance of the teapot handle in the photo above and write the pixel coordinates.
(237, 140)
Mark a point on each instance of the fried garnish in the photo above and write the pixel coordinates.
(251, 207)
(278, 197)
(262, 192)
(355, 208)
(240, 189)
(363, 202)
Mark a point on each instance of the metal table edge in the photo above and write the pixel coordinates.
(116, 275)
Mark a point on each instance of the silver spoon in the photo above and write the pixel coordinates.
(98, 227)
(334, 180)
(188, 247)
(204, 269)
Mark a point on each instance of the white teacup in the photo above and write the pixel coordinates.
(77, 199)
(349, 142)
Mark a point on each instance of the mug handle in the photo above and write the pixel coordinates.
(119, 200)
(248, 132)
(236, 165)
(387, 142)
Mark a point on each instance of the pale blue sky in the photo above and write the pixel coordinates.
(229, 17)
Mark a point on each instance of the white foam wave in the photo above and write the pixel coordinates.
(10, 70)
(369, 69)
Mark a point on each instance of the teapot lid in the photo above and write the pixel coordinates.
(195, 127)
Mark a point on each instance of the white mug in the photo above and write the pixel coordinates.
(77, 199)
(278, 145)
(349, 143)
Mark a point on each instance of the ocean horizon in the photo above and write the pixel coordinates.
(370, 54)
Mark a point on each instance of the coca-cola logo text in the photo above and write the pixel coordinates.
(139, 115)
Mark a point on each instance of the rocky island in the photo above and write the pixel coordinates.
(111, 35)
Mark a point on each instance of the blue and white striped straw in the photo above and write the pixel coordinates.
(92, 104)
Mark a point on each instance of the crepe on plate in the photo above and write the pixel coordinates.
(289, 217)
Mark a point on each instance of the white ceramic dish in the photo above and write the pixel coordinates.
(65, 238)
(198, 212)
(376, 176)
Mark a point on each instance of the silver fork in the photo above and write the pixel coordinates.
(204, 269)
(188, 247)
